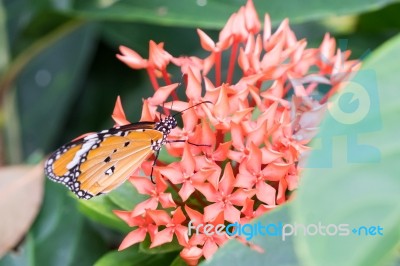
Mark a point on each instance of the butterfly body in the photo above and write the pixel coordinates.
(99, 162)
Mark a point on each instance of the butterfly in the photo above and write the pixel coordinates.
(99, 162)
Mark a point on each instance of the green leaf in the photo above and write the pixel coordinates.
(165, 248)
(132, 256)
(4, 51)
(137, 36)
(214, 13)
(380, 22)
(22, 257)
(53, 66)
(276, 251)
(356, 176)
(178, 261)
(100, 209)
(60, 224)
(126, 197)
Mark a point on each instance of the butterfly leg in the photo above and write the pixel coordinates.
(152, 167)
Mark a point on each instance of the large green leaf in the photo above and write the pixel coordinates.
(49, 82)
(165, 248)
(137, 35)
(133, 256)
(214, 13)
(360, 184)
(100, 209)
(4, 50)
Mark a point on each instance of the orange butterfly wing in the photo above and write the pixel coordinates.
(102, 161)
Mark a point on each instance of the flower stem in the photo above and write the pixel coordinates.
(259, 84)
(153, 79)
(219, 138)
(217, 69)
(197, 195)
(232, 60)
(168, 82)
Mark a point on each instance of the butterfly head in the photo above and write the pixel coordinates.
(166, 125)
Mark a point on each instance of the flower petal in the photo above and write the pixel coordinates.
(136, 236)
(119, 114)
(275, 171)
(222, 152)
(239, 197)
(292, 181)
(178, 217)
(142, 184)
(161, 184)
(162, 93)
(158, 56)
(191, 255)
(237, 136)
(142, 207)
(188, 164)
(227, 181)
(186, 190)
(160, 217)
(124, 215)
(212, 211)
(172, 172)
(127, 217)
(251, 18)
(166, 200)
(244, 178)
(253, 162)
(190, 119)
(231, 214)
(265, 193)
(148, 112)
(209, 249)
(181, 233)
(221, 107)
(193, 91)
(205, 41)
(208, 191)
(281, 197)
(247, 209)
(131, 58)
(195, 216)
(162, 237)
(208, 138)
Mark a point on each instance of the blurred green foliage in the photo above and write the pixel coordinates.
(59, 78)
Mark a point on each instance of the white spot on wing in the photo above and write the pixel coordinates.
(85, 148)
(91, 136)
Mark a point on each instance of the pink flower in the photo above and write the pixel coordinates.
(144, 225)
(173, 226)
(186, 174)
(223, 198)
(247, 148)
(209, 243)
(155, 191)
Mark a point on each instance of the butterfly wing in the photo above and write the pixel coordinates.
(100, 162)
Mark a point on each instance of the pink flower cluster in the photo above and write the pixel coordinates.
(256, 132)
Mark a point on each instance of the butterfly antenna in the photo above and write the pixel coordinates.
(190, 108)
